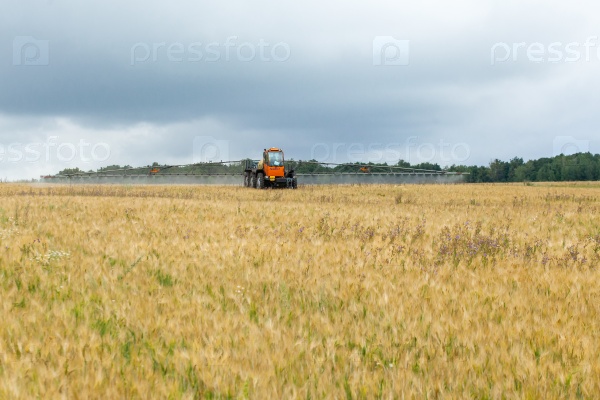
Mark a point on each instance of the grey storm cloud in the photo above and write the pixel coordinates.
(422, 81)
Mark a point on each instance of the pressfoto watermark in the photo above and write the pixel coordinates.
(210, 52)
(412, 151)
(208, 149)
(30, 51)
(51, 150)
(569, 145)
(390, 51)
(555, 52)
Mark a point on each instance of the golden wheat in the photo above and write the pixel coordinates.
(483, 291)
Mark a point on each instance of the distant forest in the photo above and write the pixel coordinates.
(576, 167)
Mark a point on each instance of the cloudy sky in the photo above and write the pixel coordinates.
(94, 83)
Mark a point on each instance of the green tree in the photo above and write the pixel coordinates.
(499, 171)
(514, 163)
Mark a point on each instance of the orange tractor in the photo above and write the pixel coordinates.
(269, 172)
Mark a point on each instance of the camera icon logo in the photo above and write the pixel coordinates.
(569, 145)
(27, 50)
(209, 149)
(390, 51)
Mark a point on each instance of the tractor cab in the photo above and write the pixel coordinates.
(274, 157)
(273, 163)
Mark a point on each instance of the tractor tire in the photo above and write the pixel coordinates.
(260, 181)
(253, 178)
(294, 184)
(247, 180)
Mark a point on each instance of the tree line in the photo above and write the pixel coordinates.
(575, 167)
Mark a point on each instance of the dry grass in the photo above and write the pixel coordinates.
(482, 291)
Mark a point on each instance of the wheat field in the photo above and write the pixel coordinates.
(411, 291)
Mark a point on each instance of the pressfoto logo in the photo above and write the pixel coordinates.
(28, 50)
(390, 51)
(230, 50)
(51, 150)
(209, 149)
(412, 150)
(569, 145)
(555, 52)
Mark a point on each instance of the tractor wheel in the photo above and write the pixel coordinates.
(260, 181)
(253, 178)
(294, 184)
(247, 180)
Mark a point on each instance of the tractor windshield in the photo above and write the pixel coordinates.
(276, 158)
